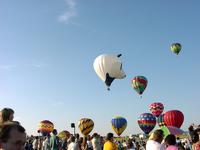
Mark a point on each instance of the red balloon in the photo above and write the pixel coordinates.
(174, 118)
(156, 108)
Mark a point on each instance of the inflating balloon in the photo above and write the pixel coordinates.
(160, 120)
(174, 118)
(176, 48)
(45, 127)
(119, 125)
(64, 134)
(85, 125)
(108, 68)
(147, 122)
(139, 83)
(156, 108)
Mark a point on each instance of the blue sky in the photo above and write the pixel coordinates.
(48, 47)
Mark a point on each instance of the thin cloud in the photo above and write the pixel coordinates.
(11, 67)
(56, 103)
(38, 65)
(70, 13)
(7, 67)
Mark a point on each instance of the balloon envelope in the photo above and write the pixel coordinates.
(139, 83)
(85, 125)
(147, 122)
(156, 108)
(46, 127)
(64, 134)
(160, 120)
(119, 125)
(176, 48)
(108, 67)
(174, 118)
(172, 130)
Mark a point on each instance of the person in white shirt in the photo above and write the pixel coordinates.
(154, 142)
(73, 145)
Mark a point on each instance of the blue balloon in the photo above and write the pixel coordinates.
(119, 125)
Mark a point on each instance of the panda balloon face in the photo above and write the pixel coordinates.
(109, 67)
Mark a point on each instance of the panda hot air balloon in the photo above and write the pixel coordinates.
(176, 48)
(85, 125)
(109, 67)
(45, 127)
(147, 122)
(156, 108)
(119, 125)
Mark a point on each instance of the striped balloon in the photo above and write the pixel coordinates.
(85, 125)
(139, 83)
(176, 48)
(160, 120)
(174, 118)
(147, 122)
(156, 108)
(119, 125)
(46, 127)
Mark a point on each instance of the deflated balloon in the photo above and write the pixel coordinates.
(119, 125)
(109, 67)
(176, 48)
(85, 125)
(45, 127)
(147, 122)
(139, 83)
(156, 108)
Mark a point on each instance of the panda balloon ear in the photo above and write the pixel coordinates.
(119, 55)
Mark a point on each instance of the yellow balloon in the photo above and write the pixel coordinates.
(85, 125)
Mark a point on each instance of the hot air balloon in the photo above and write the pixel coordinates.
(172, 130)
(45, 127)
(174, 118)
(176, 48)
(139, 83)
(156, 108)
(85, 125)
(160, 120)
(64, 134)
(109, 67)
(119, 125)
(147, 122)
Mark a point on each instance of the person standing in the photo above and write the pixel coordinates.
(109, 144)
(6, 115)
(54, 141)
(154, 142)
(12, 137)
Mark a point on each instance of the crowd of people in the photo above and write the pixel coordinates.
(13, 137)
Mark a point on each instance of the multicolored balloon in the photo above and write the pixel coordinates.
(172, 130)
(45, 127)
(174, 118)
(139, 83)
(64, 134)
(119, 125)
(160, 120)
(85, 125)
(176, 48)
(147, 122)
(109, 67)
(156, 108)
